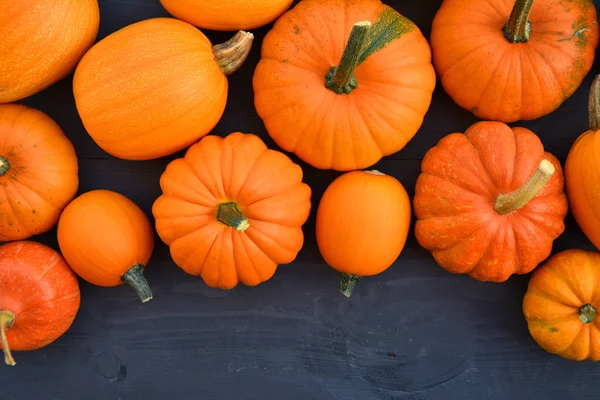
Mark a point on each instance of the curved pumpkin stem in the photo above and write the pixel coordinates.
(134, 277)
(348, 283)
(594, 104)
(4, 166)
(518, 27)
(587, 314)
(507, 203)
(7, 319)
(233, 53)
(230, 215)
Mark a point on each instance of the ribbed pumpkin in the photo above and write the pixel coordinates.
(232, 210)
(41, 42)
(342, 83)
(38, 172)
(507, 60)
(155, 87)
(490, 202)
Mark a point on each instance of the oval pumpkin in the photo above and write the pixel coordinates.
(561, 305)
(490, 202)
(362, 225)
(39, 298)
(41, 42)
(155, 87)
(341, 96)
(507, 60)
(232, 210)
(227, 15)
(38, 172)
(107, 240)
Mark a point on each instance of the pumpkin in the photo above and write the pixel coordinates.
(39, 298)
(107, 240)
(41, 42)
(232, 210)
(561, 303)
(513, 60)
(490, 202)
(155, 87)
(38, 172)
(342, 83)
(362, 224)
(227, 15)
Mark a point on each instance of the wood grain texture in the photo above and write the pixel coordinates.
(413, 333)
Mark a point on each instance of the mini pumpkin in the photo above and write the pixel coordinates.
(232, 210)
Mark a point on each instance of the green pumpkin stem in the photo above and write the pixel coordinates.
(341, 79)
(134, 277)
(518, 27)
(4, 166)
(7, 320)
(587, 314)
(230, 215)
(348, 283)
(233, 53)
(594, 104)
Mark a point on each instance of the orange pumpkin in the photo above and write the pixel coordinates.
(107, 240)
(39, 298)
(155, 87)
(362, 225)
(561, 303)
(227, 15)
(38, 172)
(490, 202)
(341, 96)
(232, 210)
(41, 42)
(507, 60)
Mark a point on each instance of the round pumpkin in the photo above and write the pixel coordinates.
(490, 202)
(342, 83)
(107, 240)
(507, 60)
(232, 210)
(39, 298)
(41, 42)
(227, 15)
(362, 225)
(38, 172)
(155, 87)
(561, 305)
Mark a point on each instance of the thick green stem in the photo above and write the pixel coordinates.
(230, 215)
(518, 27)
(134, 277)
(233, 53)
(348, 283)
(341, 79)
(594, 104)
(587, 314)
(7, 320)
(4, 166)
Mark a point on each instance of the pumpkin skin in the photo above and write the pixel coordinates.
(38, 172)
(362, 225)
(350, 126)
(227, 15)
(107, 240)
(499, 80)
(41, 42)
(561, 302)
(232, 210)
(464, 208)
(39, 298)
(155, 87)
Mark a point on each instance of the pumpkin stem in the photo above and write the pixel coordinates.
(341, 79)
(7, 320)
(594, 104)
(348, 283)
(587, 314)
(134, 277)
(231, 55)
(230, 215)
(4, 166)
(507, 203)
(518, 27)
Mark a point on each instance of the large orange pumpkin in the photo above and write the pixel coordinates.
(507, 60)
(490, 202)
(362, 225)
(38, 172)
(227, 15)
(41, 42)
(342, 83)
(39, 297)
(232, 210)
(561, 305)
(107, 240)
(155, 87)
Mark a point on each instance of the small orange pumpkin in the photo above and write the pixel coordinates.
(362, 225)
(562, 302)
(107, 240)
(38, 172)
(232, 210)
(155, 87)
